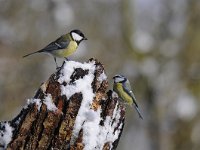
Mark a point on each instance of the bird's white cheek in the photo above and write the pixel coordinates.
(77, 37)
(118, 80)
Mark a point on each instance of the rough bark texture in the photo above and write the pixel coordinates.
(43, 129)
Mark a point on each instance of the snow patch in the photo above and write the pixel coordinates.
(91, 115)
(102, 77)
(91, 131)
(107, 133)
(36, 101)
(69, 69)
(5, 134)
(95, 135)
(47, 101)
(50, 105)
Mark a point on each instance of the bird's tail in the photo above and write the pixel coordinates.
(136, 106)
(138, 111)
(32, 53)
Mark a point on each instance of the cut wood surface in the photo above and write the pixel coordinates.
(73, 110)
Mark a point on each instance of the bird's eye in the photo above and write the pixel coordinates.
(82, 35)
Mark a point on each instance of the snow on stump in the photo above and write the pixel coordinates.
(71, 110)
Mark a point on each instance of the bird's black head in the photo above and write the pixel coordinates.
(77, 36)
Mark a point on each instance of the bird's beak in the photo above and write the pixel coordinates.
(85, 38)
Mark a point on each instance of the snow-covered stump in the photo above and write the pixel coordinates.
(72, 110)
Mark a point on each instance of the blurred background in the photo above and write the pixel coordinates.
(155, 43)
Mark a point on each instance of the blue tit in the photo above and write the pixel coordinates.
(64, 46)
(123, 88)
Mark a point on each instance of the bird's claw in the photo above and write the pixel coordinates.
(58, 68)
(67, 59)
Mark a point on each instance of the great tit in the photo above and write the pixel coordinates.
(64, 46)
(123, 88)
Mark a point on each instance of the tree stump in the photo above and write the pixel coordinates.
(71, 110)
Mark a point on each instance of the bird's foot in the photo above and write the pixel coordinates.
(67, 59)
(58, 68)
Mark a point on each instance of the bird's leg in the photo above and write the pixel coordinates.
(63, 64)
(66, 59)
(56, 63)
(59, 68)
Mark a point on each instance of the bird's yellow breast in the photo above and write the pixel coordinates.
(70, 49)
(118, 88)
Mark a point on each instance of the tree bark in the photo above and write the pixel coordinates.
(57, 118)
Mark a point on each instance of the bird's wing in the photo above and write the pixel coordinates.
(56, 45)
(128, 89)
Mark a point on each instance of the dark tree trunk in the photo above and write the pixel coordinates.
(56, 117)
